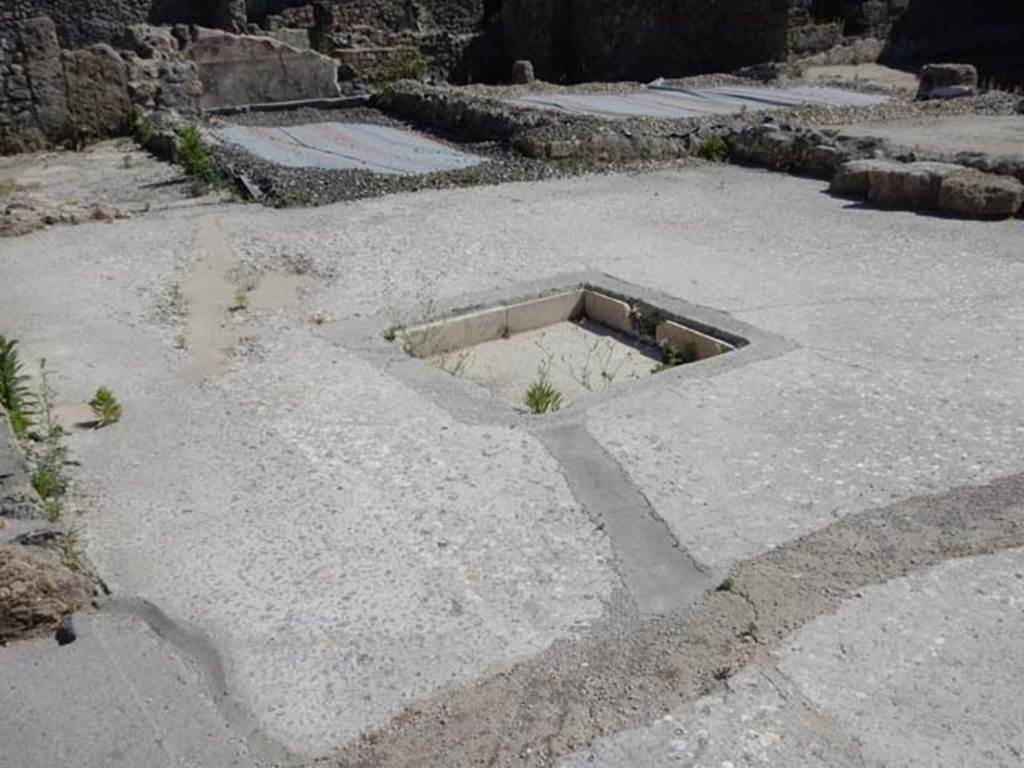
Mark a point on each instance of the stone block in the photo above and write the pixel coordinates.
(448, 335)
(913, 186)
(530, 315)
(248, 69)
(97, 90)
(609, 312)
(151, 42)
(943, 81)
(522, 72)
(689, 341)
(978, 195)
(42, 62)
(853, 179)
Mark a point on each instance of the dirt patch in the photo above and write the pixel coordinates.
(631, 671)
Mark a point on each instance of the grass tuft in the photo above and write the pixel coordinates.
(105, 407)
(194, 157)
(542, 397)
(714, 149)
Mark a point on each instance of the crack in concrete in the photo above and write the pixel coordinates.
(633, 669)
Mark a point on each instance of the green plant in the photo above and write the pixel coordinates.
(54, 509)
(241, 302)
(142, 129)
(105, 407)
(194, 157)
(48, 478)
(15, 396)
(714, 149)
(726, 585)
(49, 481)
(674, 357)
(72, 549)
(542, 397)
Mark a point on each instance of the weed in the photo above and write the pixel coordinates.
(54, 510)
(391, 333)
(72, 549)
(674, 357)
(147, 206)
(127, 161)
(7, 186)
(49, 481)
(194, 157)
(105, 407)
(181, 342)
(542, 397)
(15, 396)
(726, 585)
(142, 129)
(48, 478)
(241, 302)
(319, 317)
(714, 149)
(722, 673)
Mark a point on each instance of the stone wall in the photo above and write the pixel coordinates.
(80, 23)
(579, 40)
(51, 95)
(77, 22)
(248, 69)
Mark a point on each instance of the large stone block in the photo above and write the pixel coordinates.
(45, 72)
(97, 90)
(979, 195)
(246, 69)
(913, 186)
(944, 81)
(943, 187)
(853, 179)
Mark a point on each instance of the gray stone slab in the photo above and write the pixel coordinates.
(757, 719)
(924, 671)
(678, 102)
(348, 146)
(920, 672)
(989, 134)
(117, 697)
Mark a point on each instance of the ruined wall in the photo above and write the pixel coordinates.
(49, 95)
(577, 40)
(78, 22)
(83, 22)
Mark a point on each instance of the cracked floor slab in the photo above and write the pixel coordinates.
(914, 672)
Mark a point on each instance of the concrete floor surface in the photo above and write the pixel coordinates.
(349, 546)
